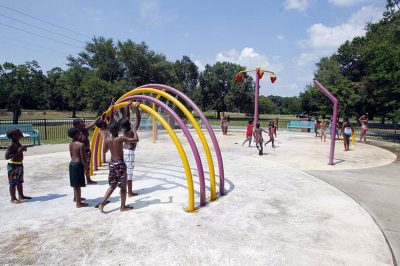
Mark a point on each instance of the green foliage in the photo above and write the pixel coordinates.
(219, 91)
(364, 74)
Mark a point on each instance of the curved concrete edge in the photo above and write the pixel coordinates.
(370, 214)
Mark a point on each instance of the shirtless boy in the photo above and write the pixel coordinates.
(15, 168)
(77, 166)
(117, 166)
(129, 148)
(79, 124)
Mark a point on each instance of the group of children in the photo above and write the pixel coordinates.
(122, 149)
(257, 134)
(347, 129)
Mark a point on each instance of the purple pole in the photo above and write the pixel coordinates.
(207, 125)
(188, 136)
(256, 96)
(334, 120)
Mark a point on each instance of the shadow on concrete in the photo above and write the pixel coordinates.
(46, 197)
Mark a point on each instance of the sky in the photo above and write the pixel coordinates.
(287, 37)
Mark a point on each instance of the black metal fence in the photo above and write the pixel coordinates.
(56, 129)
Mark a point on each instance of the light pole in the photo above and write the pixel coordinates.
(259, 74)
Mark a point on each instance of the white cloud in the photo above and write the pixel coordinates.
(200, 65)
(324, 40)
(249, 58)
(280, 38)
(300, 5)
(344, 2)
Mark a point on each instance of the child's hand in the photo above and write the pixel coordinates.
(23, 148)
(137, 104)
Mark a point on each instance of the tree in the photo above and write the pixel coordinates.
(100, 55)
(73, 93)
(187, 75)
(219, 91)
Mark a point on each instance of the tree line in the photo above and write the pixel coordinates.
(106, 69)
(364, 73)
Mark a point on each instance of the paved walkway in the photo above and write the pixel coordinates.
(377, 189)
(275, 212)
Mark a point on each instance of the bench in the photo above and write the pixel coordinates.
(300, 124)
(26, 129)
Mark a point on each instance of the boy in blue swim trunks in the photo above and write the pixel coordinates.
(15, 153)
(117, 167)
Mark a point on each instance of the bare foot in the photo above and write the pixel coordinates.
(15, 201)
(24, 197)
(132, 194)
(124, 209)
(101, 207)
(91, 182)
(80, 205)
(82, 199)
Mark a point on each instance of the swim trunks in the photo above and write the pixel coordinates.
(76, 174)
(117, 175)
(129, 158)
(15, 173)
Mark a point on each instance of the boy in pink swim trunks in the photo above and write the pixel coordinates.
(117, 167)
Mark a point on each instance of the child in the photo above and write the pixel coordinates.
(77, 166)
(323, 127)
(15, 168)
(81, 126)
(347, 131)
(316, 126)
(224, 124)
(259, 139)
(271, 132)
(117, 166)
(249, 133)
(129, 148)
(364, 127)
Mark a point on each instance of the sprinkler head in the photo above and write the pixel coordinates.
(260, 73)
(239, 78)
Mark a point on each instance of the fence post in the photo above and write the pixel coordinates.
(45, 129)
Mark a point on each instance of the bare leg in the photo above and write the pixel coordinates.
(109, 191)
(13, 197)
(77, 193)
(21, 192)
(89, 181)
(123, 200)
(130, 191)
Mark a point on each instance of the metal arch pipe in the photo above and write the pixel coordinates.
(208, 127)
(189, 137)
(194, 123)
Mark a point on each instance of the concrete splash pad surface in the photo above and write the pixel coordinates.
(272, 215)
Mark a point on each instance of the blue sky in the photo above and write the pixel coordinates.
(287, 36)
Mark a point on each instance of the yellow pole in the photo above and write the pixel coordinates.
(192, 120)
(178, 144)
(92, 145)
(100, 152)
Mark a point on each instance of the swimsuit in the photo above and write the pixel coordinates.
(76, 174)
(117, 175)
(129, 158)
(15, 173)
